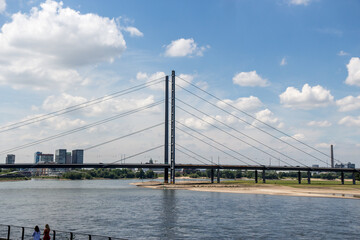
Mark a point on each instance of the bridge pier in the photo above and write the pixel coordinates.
(299, 177)
(353, 178)
(218, 175)
(342, 177)
(263, 176)
(256, 176)
(166, 175)
(308, 177)
(212, 175)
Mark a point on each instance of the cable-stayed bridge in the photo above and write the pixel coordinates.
(231, 145)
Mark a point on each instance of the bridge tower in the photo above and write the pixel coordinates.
(172, 166)
(166, 144)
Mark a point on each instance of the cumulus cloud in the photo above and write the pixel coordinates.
(45, 48)
(161, 75)
(184, 47)
(245, 103)
(267, 116)
(114, 105)
(283, 61)
(203, 85)
(299, 2)
(134, 32)
(348, 103)
(2, 6)
(319, 124)
(342, 53)
(353, 68)
(250, 79)
(350, 121)
(196, 123)
(323, 145)
(308, 98)
(56, 123)
(298, 136)
(204, 122)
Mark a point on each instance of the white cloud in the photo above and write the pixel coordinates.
(56, 123)
(348, 103)
(204, 122)
(184, 47)
(298, 136)
(283, 61)
(245, 103)
(353, 68)
(134, 31)
(159, 75)
(350, 121)
(2, 6)
(308, 98)
(299, 2)
(342, 53)
(45, 48)
(323, 145)
(195, 123)
(203, 85)
(250, 79)
(152, 77)
(115, 105)
(267, 116)
(319, 124)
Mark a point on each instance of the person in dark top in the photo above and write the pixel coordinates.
(46, 232)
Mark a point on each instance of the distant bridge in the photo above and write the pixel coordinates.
(255, 168)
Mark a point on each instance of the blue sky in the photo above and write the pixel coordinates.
(293, 64)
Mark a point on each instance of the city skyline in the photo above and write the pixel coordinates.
(292, 64)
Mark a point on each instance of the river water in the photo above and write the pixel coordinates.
(116, 208)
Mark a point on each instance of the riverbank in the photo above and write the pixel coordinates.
(329, 189)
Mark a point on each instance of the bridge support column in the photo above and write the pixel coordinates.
(212, 175)
(256, 176)
(263, 176)
(308, 177)
(218, 175)
(172, 166)
(166, 175)
(353, 178)
(166, 139)
(299, 177)
(342, 177)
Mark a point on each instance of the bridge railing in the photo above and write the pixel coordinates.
(12, 232)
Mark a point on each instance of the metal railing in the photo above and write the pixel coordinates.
(12, 232)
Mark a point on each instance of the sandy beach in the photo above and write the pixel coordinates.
(338, 191)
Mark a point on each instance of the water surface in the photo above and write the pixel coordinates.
(116, 208)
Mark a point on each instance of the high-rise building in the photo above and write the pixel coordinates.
(350, 165)
(10, 159)
(37, 157)
(68, 158)
(77, 156)
(60, 156)
(45, 157)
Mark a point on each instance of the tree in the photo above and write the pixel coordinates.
(140, 174)
(150, 174)
(238, 173)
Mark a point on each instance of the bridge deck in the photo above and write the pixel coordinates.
(191, 166)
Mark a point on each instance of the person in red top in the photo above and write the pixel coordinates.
(46, 232)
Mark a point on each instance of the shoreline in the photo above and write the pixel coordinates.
(331, 191)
